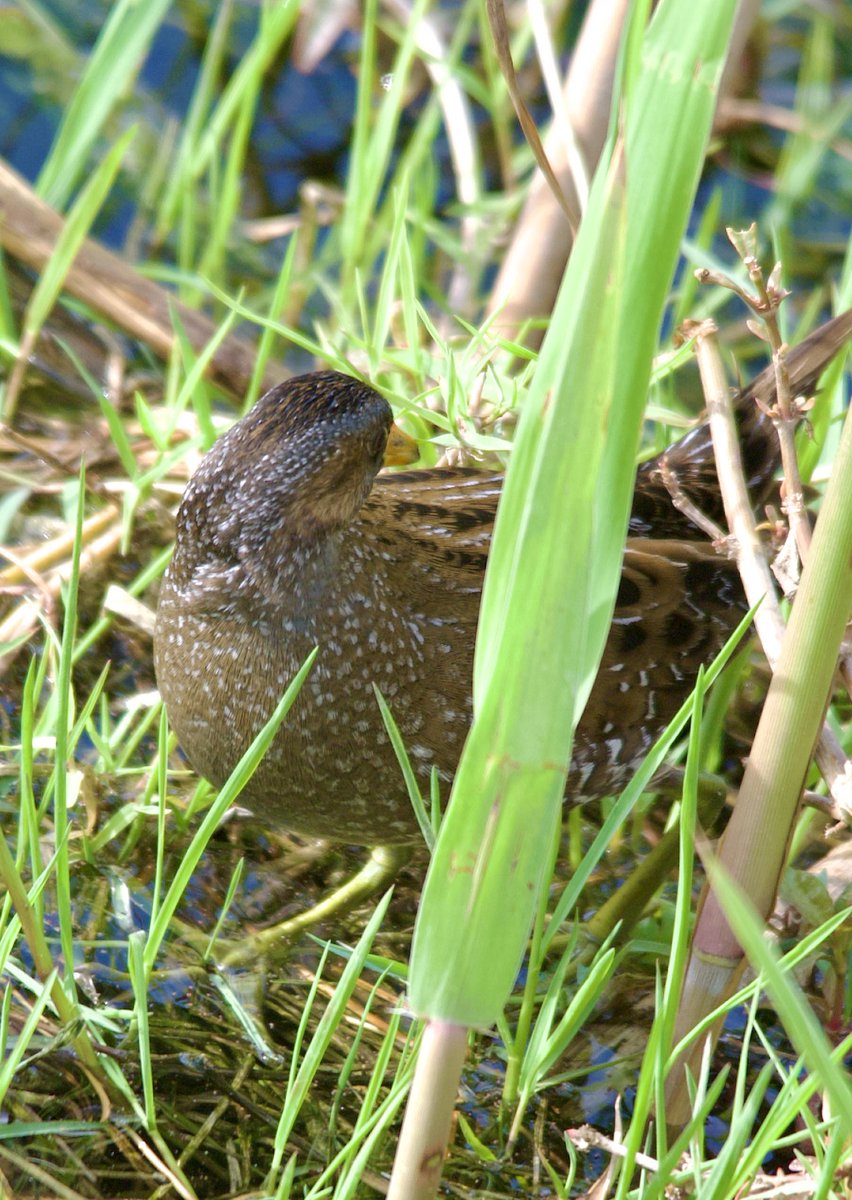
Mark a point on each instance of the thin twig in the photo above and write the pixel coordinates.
(688, 507)
(735, 110)
(785, 413)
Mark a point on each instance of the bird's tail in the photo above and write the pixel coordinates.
(690, 460)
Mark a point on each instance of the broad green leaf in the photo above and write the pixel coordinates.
(559, 535)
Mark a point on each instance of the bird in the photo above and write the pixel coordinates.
(288, 538)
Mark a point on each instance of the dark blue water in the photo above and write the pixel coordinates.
(302, 129)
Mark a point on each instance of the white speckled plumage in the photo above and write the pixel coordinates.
(287, 539)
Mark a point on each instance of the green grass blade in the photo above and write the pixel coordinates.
(114, 64)
(77, 224)
(799, 1019)
(487, 867)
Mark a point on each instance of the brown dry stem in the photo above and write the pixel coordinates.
(101, 537)
(541, 240)
(29, 230)
(532, 270)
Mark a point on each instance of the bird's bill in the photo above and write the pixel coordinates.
(401, 450)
